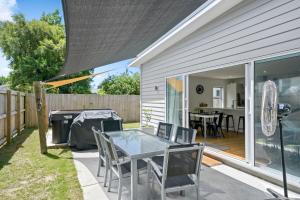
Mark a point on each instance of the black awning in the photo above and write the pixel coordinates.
(101, 32)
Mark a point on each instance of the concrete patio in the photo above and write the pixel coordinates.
(215, 185)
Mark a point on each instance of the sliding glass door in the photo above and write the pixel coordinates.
(285, 72)
(174, 100)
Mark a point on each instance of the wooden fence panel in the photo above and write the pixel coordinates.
(2, 116)
(14, 118)
(127, 106)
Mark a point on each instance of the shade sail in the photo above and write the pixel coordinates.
(55, 84)
(101, 32)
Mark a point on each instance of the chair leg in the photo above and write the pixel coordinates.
(198, 192)
(222, 132)
(163, 194)
(110, 180)
(106, 174)
(99, 167)
(227, 124)
(152, 184)
(148, 180)
(120, 189)
(238, 128)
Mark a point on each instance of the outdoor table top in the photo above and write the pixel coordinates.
(138, 144)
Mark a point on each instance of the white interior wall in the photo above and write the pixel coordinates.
(207, 95)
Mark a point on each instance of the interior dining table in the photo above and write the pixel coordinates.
(138, 145)
(204, 117)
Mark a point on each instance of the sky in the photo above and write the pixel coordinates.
(33, 9)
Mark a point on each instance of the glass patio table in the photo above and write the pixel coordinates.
(138, 145)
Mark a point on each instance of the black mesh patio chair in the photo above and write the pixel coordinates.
(180, 169)
(164, 130)
(182, 136)
(185, 135)
(103, 160)
(102, 157)
(120, 166)
(111, 125)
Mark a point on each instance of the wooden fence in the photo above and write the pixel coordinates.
(127, 106)
(12, 114)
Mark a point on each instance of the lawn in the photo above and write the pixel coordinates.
(26, 174)
(131, 125)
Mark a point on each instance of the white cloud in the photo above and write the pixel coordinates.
(4, 69)
(7, 9)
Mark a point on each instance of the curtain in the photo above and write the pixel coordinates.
(174, 100)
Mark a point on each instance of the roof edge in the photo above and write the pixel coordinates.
(201, 16)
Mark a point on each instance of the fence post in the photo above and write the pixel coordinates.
(41, 113)
(8, 116)
(45, 111)
(18, 116)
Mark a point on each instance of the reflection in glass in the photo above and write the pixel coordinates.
(174, 100)
(285, 72)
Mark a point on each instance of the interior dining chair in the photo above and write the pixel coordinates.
(195, 123)
(111, 125)
(180, 170)
(121, 167)
(216, 125)
(164, 130)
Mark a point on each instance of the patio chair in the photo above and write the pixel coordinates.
(102, 157)
(182, 136)
(111, 125)
(103, 160)
(164, 130)
(185, 135)
(180, 169)
(121, 167)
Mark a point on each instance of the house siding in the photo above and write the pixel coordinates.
(247, 32)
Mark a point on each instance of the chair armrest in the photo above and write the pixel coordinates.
(155, 167)
(121, 161)
(124, 160)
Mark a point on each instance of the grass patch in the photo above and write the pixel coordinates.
(131, 125)
(27, 174)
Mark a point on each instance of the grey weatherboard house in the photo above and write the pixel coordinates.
(227, 49)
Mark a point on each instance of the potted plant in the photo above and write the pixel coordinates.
(147, 127)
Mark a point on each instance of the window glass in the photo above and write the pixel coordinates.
(218, 100)
(285, 72)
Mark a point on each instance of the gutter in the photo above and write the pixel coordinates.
(200, 17)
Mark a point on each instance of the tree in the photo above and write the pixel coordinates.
(126, 83)
(36, 51)
(3, 80)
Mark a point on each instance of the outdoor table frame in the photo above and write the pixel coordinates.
(138, 145)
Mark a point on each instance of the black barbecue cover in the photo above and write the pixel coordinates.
(81, 135)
